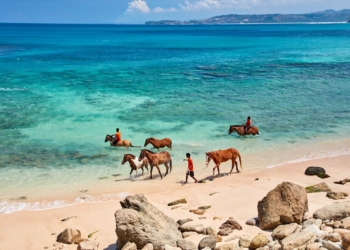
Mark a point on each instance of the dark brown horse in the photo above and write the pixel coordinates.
(220, 156)
(166, 142)
(134, 162)
(156, 159)
(121, 143)
(241, 131)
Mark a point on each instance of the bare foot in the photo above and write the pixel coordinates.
(196, 181)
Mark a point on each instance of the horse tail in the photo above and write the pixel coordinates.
(171, 164)
(240, 160)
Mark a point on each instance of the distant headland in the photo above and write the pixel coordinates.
(320, 16)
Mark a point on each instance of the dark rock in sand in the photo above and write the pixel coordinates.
(285, 204)
(321, 187)
(228, 227)
(342, 182)
(177, 202)
(207, 242)
(314, 171)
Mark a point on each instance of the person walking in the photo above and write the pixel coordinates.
(190, 168)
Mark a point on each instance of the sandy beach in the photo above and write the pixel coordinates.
(235, 196)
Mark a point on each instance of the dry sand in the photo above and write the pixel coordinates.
(236, 196)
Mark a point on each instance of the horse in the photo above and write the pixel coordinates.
(121, 143)
(220, 156)
(134, 162)
(166, 142)
(241, 131)
(156, 159)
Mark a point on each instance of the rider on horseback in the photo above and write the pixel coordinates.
(118, 136)
(248, 124)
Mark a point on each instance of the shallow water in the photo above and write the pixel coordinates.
(64, 87)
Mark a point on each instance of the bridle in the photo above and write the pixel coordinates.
(207, 159)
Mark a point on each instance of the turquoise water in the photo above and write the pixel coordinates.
(64, 87)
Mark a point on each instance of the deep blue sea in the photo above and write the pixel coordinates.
(64, 87)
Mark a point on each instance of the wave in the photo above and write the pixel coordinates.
(13, 89)
(11, 207)
(314, 156)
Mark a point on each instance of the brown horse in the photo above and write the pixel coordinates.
(166, 142)
(241, 131)
(121, 143)
(156, 159)
(134, 162)
(220, 156)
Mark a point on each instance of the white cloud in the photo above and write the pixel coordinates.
(159, 9)
(138, 6)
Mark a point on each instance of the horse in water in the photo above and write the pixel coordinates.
(166, 142)
(121, 143)
(134, 162)
(220, 156)
(241, 131)
(156, 159)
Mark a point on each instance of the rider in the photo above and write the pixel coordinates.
(118, 136)
(248, 124)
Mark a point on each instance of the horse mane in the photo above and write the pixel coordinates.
(148, 151)
(151, 138)
(131, 155)
(236, 125)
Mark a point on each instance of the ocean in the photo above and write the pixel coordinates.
(64, 87)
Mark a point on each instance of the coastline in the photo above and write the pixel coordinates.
(237, 196)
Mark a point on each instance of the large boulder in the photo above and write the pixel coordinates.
(285, 204)
(336, 211)
(141, 223)
(315, 171)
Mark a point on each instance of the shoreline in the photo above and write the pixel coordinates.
(235, 196)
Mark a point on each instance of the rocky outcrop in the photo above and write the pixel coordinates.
(337, 211)
(69, 236)
(285, 204)
(141, 223)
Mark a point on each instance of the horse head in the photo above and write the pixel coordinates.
(142, 154)
(233, 128)
(125, 159)
(147, 141)
(108, 138)
(207, 158)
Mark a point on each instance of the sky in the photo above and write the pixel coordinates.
(139, 11)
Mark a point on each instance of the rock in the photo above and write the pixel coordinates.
(198, 211)
(331, 245)
(312, 221)
(207, 242)
(313, 246)
(314, 229)
(228, 246)
(218, 238)
(341, 231)
(285, 204)
(231, 224)
(68, 218)
(321, 187)
(141, 223)
(211, 231)
(342, 182)
(323, 176)
(129, 246)
(251, 222)
(167, 247)
(148, 246)
(346, 241)
(233, 238)
(181, 222)
(336, 211)
(180, 201)
(314, 171)
(193, 228)
(345, 223)
(328, 230)
(80, 240)
(69, 236)
(282, 231)
(224, 232)
(297, 240)
(204, 207)
(329, 223)
(334, 237)
(259, 241)
(244, 241)
(277, 246)
(188, 234)
(186, 245)
(217, 218)
(88, 245)
(337, 224)
(306, 216)
(298, 229)
(337, 195)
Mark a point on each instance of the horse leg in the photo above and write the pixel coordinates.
(151, 172)
(136, 172)
(218, 170)
(233, 166)
(142, 170)
(167, 168)
(237, 166)
(131, 172)
(161, 176)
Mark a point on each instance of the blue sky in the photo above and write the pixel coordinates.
(139, 11)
